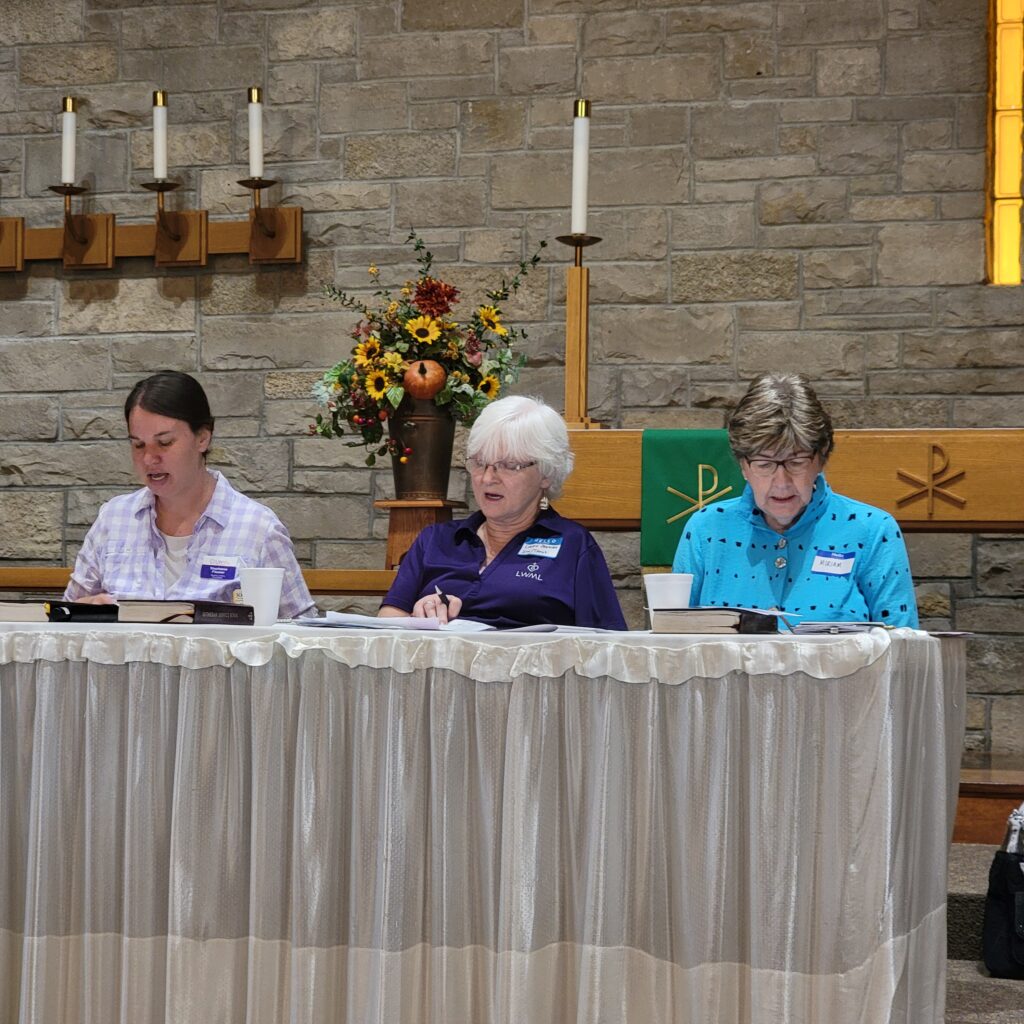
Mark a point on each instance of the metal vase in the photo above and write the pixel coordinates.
(429, 430)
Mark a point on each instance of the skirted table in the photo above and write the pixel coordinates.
(291, 825)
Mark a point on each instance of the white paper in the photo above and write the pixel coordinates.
(837, 627)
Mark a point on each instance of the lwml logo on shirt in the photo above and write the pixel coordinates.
(531, 573)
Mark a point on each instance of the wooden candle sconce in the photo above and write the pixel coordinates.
(181, 238)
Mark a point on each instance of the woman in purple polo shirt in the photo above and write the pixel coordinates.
(516, 562)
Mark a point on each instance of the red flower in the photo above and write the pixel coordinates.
(435, 298)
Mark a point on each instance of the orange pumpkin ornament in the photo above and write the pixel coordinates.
(424, 378)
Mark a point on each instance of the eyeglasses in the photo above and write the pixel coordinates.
(795, 465)
(503, 468)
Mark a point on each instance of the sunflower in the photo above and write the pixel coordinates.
(424, 329)
(489, 386)
(491, 319)
(365, 353)
(377, 384)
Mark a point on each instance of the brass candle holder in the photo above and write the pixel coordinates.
(577, 328)
(88, 239)
(182, 236)
(275, 232)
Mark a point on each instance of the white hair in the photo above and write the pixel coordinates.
(527, 429)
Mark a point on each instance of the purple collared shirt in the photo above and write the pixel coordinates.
(552, 572)
(123, 553)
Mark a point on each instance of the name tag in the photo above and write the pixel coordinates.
(541, 547)
(832, 563)
(219, 567)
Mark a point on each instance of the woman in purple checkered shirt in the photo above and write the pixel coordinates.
(187, 532)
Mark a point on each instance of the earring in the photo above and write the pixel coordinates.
(544, 503)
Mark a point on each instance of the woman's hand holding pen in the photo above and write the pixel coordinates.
(438, 605)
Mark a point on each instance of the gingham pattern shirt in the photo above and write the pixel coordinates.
(123, 554)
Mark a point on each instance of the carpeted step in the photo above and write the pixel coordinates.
(968, 881)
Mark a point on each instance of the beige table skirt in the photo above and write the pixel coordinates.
(239, 826)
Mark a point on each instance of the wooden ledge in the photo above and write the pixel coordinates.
(931, 480)
(991, 786)
(349, 581)
(53, 579)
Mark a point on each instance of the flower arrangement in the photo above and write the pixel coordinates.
(411, 344)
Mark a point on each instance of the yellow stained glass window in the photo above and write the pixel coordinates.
(1006, 148)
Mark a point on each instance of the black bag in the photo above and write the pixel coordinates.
(1002, 935)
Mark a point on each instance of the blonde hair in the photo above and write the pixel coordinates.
(780, 413)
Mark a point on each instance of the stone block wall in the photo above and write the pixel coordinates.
(779, 184)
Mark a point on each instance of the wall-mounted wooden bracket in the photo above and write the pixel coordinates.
(275, 235)
(182, 238)
(12, 243)
(87, 240)
(275, 232)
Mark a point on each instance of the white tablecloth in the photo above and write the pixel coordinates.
(253, 826)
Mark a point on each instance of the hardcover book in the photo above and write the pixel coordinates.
(713, 620)
(203, 613)
(56, 611)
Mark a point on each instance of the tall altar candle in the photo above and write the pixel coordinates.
(580, 148)
(160, 135)
(68, 118)
(255, 132)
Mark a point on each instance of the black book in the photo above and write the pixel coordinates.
(56, 611)
(713, 620)
(77, 611)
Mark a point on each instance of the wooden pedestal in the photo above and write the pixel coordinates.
(408, 518)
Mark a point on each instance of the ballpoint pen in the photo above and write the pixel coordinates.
(440, 594)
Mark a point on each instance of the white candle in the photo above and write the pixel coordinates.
(580, 148)
(255, 132)
(68, 118)
(160, 135)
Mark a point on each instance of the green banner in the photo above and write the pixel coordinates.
(681, 471)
